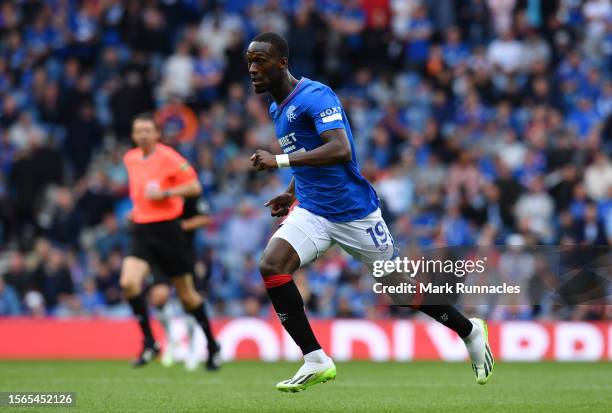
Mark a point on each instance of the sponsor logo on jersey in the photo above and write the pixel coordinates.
(331, 114)
(288, 139)
(288, 143)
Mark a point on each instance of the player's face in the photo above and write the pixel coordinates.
(144, 133)
(265, 66)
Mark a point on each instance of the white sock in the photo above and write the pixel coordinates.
(317, 356)
(164, 320)
(191, 333)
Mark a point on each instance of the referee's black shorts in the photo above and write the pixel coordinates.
(159, 277)
(162, 245)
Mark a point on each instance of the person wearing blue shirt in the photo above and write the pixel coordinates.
(208, 74)
(454, 51)
(420, 30)
(9, 300)
(335, 205)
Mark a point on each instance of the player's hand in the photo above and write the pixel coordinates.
(280, 204)
(263, 160)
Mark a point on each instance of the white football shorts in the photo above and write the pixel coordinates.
(367, 239)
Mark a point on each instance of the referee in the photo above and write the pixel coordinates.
(159, 179)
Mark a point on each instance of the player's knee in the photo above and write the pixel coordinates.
(129, 286)
(184, 296)
(189, 299)
(133, 273)
(268, 266)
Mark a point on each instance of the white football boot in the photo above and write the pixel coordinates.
(477, 344)
(317, 368)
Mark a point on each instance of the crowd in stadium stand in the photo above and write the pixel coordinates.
(480, 122)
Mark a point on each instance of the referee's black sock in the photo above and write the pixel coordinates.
(450, 317)
(139, 307)
(199, 313)
(289, 307)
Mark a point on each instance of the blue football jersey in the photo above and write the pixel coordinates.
(336, 192)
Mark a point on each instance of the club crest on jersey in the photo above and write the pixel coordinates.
(291, 116)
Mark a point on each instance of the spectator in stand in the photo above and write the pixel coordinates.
(207, 76)
(590, 230)
(464, 177)
(33, 170)
(90, 299)
(110, 237)
(178, 73)
(501, 11)
(65, 219)
(535, 50)
(534, 210)
(106, 278)
(131, 96)
(454, 50)
(418, 36)
(53, 280)
(17, 276)
(21, 132)
(506, 53)
(598, 177)
(9, 300)
(83, 137)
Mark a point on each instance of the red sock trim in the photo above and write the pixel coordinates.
(271, 281)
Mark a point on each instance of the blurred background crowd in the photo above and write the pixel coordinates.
(480, 122)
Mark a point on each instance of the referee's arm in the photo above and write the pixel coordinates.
(186, 190)
(193, 223)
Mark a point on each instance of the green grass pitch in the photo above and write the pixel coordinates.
(359, 387)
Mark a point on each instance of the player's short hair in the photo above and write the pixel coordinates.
(146, 116)
(278, 42)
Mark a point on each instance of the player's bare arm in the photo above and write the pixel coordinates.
(199, 221)
(335, 150)
(186, 190)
